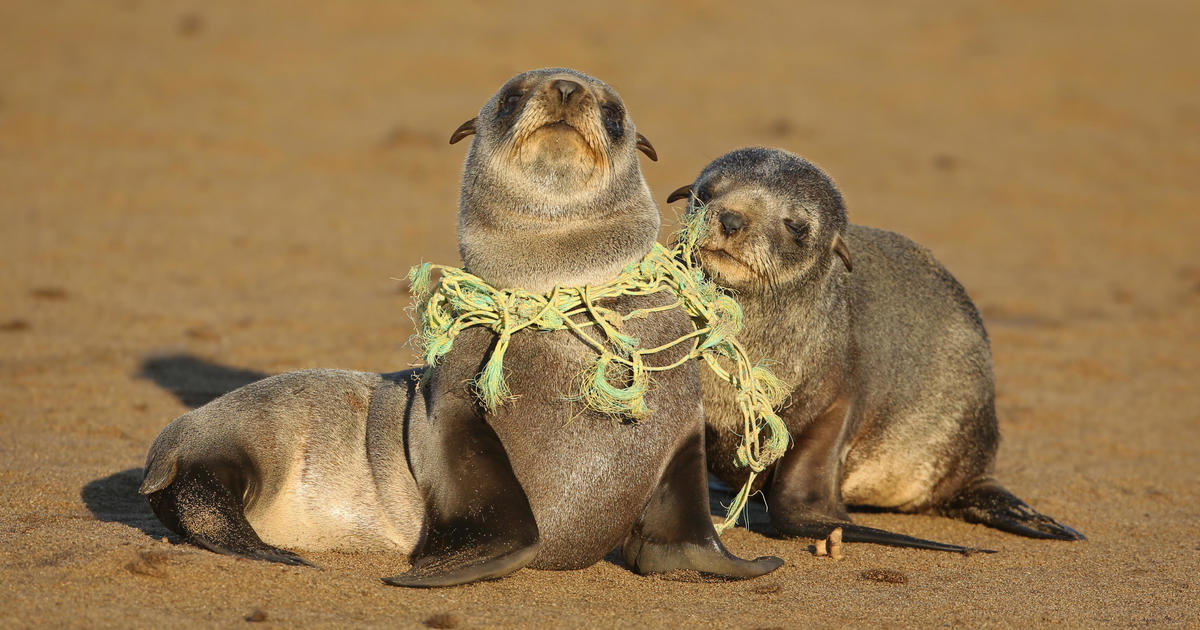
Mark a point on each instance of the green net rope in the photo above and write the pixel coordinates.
(617, 382)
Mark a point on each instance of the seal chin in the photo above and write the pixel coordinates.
(559, 157)
(555, 142)
(559, 141)
(573, 134)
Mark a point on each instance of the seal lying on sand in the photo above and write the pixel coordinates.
(294, 455)
(892, 401)
(319, 460)
(553, 195)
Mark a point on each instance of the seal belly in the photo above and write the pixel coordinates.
(588, 476)
(327, 504)
(345, 484)
(899, 460)
(891, 481)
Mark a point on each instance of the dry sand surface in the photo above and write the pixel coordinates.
(197, 194)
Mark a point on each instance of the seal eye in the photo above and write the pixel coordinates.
(799, 231)
(509, 104)
(614, 120)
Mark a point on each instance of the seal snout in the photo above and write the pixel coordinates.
(565, 104)
(566, 89)
(731, 222)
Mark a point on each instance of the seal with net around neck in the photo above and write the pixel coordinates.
(617, 381)
(553, 196)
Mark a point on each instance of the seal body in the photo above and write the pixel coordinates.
(588, 476)
(290, 458)
(320, 454)
(317, 460)
(553, 195)
(892, 399)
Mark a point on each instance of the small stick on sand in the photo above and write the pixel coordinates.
(835, 544)
(831, 546)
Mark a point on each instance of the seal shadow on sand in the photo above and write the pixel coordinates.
(115, 499)
(754, 517)
(195, 382)
(757, 513)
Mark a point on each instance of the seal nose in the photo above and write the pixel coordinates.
(565, 87)
(731, 222)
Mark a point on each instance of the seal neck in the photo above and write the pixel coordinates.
(509, 237)
(789, 328)
(512, 251)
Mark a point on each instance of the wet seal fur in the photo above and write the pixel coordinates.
(892, 393)
(553, 194)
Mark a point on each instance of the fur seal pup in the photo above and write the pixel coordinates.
(332, 459)
(553, 194)
(319, 460)
(887, 359)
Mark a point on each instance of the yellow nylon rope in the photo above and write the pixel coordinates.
(461, 300)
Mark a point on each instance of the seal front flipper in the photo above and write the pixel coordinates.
(447, 569)
(202, 502)
(480, 525)
(988, 503)
(675, 531)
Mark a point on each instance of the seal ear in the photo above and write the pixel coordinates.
(843, 252)
(644, 146)
(464, 130)
(683, 192)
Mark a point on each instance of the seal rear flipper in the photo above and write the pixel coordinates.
(675, 531)
(200, 504)
(479, 524)
(254, 551)
(160, 471)
(805, 494)
(820, 529)
(989, 503)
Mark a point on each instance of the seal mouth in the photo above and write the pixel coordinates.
(720, 258)
(734, 271)
(562, 126)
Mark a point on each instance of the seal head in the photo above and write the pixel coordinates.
(552, 191)
(774, 220)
